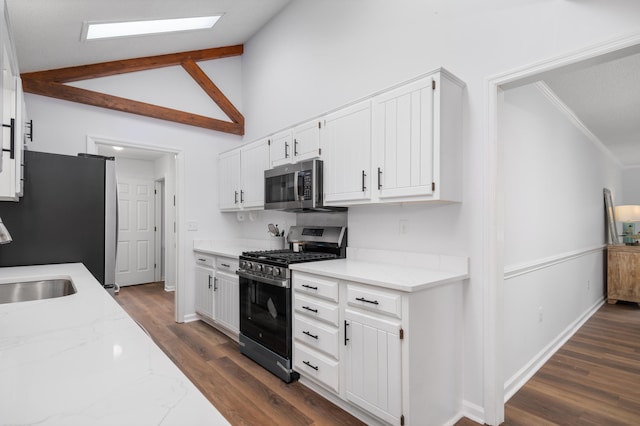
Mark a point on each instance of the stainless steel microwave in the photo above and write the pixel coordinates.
(294, 187)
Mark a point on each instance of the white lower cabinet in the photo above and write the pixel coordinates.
(373, 365)
(204, 291)
(392, 356)
(217, 292)
(227, 301)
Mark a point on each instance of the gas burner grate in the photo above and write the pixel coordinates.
(288, 256)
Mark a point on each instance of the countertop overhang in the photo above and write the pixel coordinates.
(82, 360)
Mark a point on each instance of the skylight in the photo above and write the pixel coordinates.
(101, 30)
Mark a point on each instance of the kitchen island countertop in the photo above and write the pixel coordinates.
(82, 360)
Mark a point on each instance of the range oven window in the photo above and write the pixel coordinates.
(265, 315)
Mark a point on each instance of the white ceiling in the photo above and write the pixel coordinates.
(605, 96)
(47, 32)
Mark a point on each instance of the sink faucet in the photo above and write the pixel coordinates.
(5, 237)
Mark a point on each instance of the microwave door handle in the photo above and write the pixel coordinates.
(296, 186)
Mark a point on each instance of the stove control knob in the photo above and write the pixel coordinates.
(243, 264)
(269, 270)
(258, 267)
(276, 271)
(250, 266)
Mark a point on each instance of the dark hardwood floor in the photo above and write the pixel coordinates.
(594, 379)
(244, 392)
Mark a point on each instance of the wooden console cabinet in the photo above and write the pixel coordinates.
(623, 273)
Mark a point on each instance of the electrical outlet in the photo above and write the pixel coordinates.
(402, 226)
(540, 314)
(192, 225)
(588, 285)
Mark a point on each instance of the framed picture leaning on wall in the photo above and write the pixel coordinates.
(611, 232)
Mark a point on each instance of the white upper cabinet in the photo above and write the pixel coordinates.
(241, 176)
(254, 160)
(401, 145)
(306, 141)
(13, 117)
(403, 141)
(297, 144)
(346, 151)
(281, 148)
(229, 180)
(417, 141)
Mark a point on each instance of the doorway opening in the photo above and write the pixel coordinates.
(494, 276)
(161, 171)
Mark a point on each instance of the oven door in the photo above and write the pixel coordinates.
(265, 312)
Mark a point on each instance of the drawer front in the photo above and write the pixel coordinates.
(317, 335)
(310, 363)
(204, 260)
(319, 287)
(315, 308)
(227, 264)
(381, 301)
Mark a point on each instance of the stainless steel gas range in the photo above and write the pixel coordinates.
(265, 294)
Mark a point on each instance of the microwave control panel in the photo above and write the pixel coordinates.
(307, 183)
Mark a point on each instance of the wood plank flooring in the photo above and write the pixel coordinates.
(594, 379)
(244, 392)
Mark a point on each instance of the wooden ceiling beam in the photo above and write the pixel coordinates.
(106, 69)
(51, 83)
(212, 90)
(88, 97)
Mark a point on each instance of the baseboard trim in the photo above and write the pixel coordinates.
(473, 412)
(515, 382)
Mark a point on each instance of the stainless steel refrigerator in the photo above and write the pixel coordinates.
(68, 214)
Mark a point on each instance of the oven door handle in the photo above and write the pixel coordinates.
(264, 280)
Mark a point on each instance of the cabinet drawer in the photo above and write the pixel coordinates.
(227, 264)
(318, 309)
(384, 302)
(319, 287)
(317, 335)
(310, 363)
(205, 260)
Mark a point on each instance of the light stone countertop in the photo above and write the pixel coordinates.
(395, 270)
(234, 248)
(81, 360)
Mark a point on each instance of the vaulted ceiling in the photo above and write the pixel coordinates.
(604, 96)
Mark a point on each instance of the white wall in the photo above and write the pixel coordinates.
(631, 187)
(62, 127)
(554, 227)
(318, 55)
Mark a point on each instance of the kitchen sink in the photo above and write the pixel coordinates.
(35, 290)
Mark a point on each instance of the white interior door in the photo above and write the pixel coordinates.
(136, 240)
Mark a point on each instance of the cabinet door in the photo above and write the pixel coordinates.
(204, 291)
(373, 365)
(229, 180)
(9, 185)
(623, 274)
(227, 301)
(281, 148)
(346, 144)
(403, 140)
(306, 141)
(254, 160)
